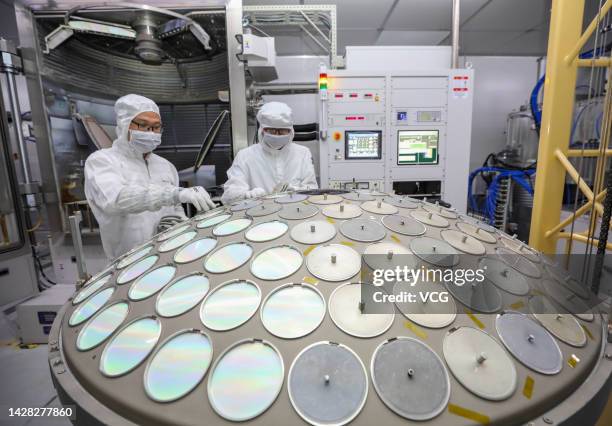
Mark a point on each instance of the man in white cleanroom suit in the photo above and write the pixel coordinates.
(274, 161)
(128, 187)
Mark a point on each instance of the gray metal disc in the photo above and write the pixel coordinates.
(440, 211)
(388, 255)
(520, 247)
(430, 219)
(379, 207)
(504, 277)
(436, 252)
(403, 225)
(479, 296)
(298, 211)
(403, 202)
(333, 262)
(364, 230)
(313, 232)
(358, 196)
(483, 225)
(410, 378)
(342, 211)
(245, 204)
(357, 315)
(568, 299)
(291, 198)
(325, 199)
(557, 321)
(518, 262)
(263, 210)
(327, 384)
(463, 242)
(429, 314)
(477, 232)
(479, 363)
(529, 342)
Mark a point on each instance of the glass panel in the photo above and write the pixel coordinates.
(172, 232)
(183, 295)
(276, 263)
(177, 241)
(232, 227)
(137, 269)
(195, 250)
(228, 258)
(100, 327)
(266, 231)
(230, 305)
(128, 260)
(207, 223)
(93, 305)
(151, 283)
(91, 289)
(293, 311)
(246, 380)
(130, 347)
(178, 366)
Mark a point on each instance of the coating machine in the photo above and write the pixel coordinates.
(405, 131)
(255, 313)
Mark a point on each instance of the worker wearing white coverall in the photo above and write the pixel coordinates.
(129, 189)
(274, 161)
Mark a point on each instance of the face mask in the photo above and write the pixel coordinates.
(276, 141)
(144, 142)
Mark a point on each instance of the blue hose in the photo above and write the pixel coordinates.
(535, 109)
(519, 176)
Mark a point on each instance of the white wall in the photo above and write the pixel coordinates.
(501, 84)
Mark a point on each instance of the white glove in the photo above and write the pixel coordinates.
(198, 197)
(254, 193)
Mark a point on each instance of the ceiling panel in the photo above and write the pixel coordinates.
(358, 14)
(410, 38)
(356, 38)
(514, 15)
(503, 43)
(428, 15)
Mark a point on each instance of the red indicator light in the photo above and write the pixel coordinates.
(339, 95)
(353, 95)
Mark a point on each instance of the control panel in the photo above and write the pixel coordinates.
(404, 132)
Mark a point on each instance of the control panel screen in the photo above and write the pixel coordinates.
(363, 144)
(417, 147)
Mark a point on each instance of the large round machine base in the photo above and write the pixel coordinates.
(251, 313)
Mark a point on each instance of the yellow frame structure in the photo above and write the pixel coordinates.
(565, 42)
